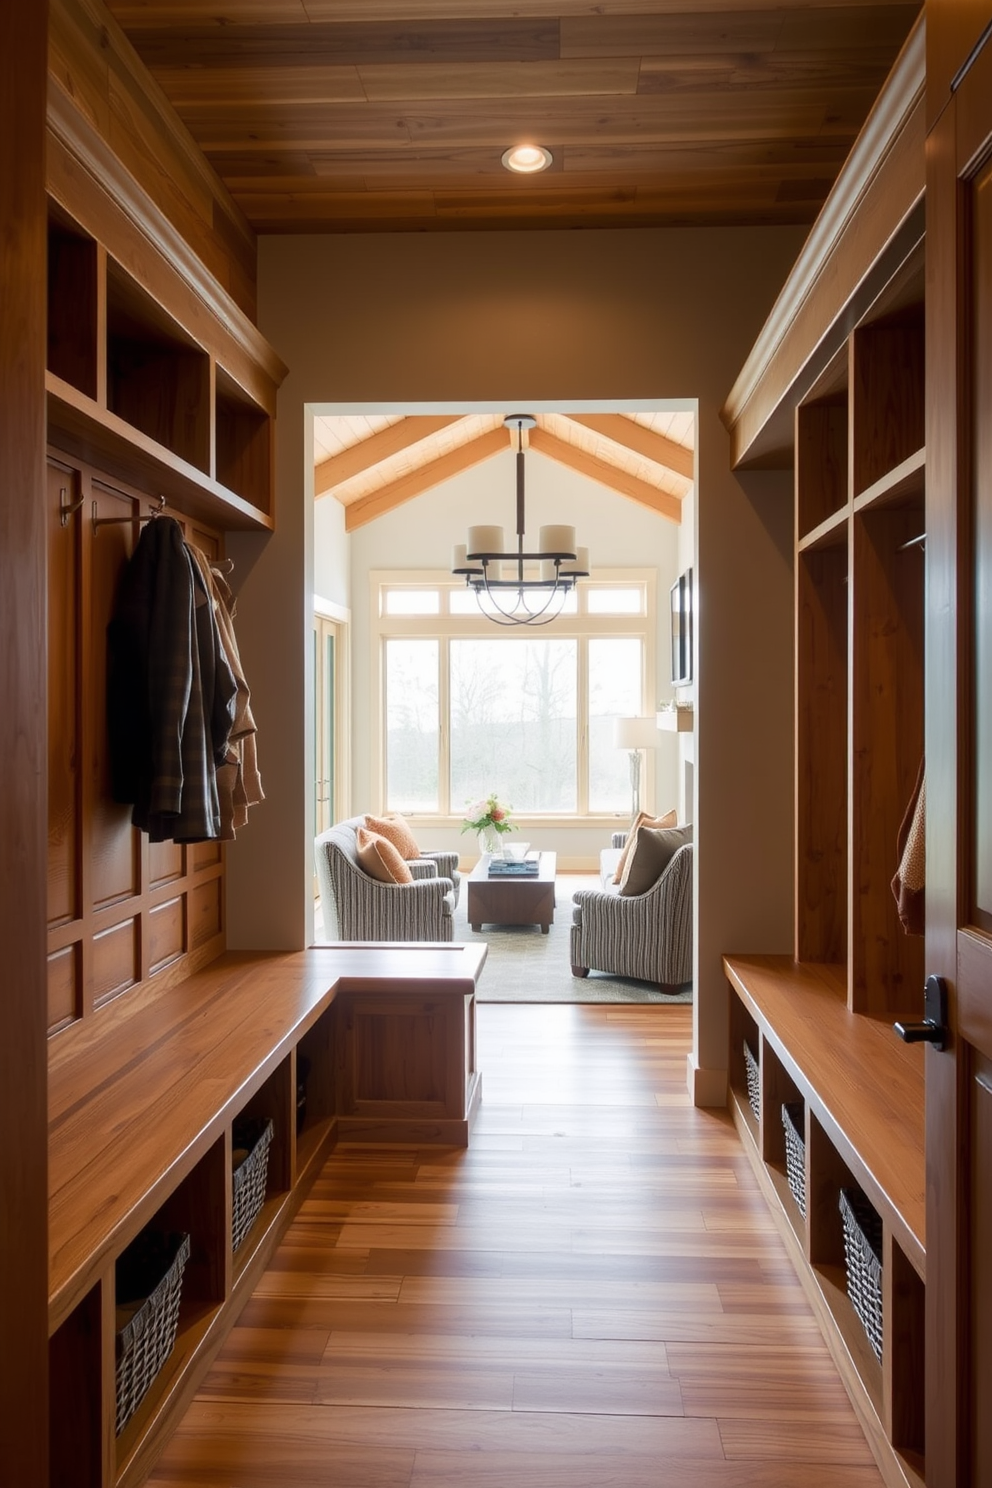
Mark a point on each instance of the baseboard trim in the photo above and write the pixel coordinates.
(708, 1087)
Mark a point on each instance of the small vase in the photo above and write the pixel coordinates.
(489, 842)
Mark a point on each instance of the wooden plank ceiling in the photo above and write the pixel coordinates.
(386, 115)
(374, 463)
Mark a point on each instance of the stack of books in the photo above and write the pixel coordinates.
(514, 867)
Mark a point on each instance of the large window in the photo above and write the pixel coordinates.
(467, 709)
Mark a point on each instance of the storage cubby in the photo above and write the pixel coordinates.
(244, 443)
(274, 1101)
(822, 752)
(887, 396)
(886, 974)
(76, 1384)
(195, 1207)
(821, 461)
(314, 1075)
(778, 1088)
(73, 326)
(158, 378)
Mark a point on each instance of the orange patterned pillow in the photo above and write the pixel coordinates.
(670, 819)
(380, 858)
(395, 830)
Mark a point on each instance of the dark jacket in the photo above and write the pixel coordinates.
(170, 691)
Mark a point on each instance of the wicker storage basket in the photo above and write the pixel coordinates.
(794, 1123)
(752, 1072)
(148, 1284)
(863, 1259)
(251, 1138)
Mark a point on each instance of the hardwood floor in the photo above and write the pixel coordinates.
(592, 1296)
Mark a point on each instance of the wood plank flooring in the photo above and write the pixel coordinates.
(592, 1296)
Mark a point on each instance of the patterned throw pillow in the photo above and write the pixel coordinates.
(380, 859)
(670, 819)
(395, 830)
(653, 851)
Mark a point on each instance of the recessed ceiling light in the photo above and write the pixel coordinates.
(526, 160)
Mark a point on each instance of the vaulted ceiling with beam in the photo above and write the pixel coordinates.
(372, 464)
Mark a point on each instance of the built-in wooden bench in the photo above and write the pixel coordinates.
(863, 1095)
(141, 1111)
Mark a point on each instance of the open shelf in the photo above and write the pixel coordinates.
(132, 391)
(244, 443)
(821, 461)
(821, 754)
(73, 330)
(158, 378)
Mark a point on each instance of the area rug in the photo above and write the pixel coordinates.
(525, 966)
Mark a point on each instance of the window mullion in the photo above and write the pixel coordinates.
(582, 725)
(444, 725)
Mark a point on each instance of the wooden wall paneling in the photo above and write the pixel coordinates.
(887, 735)
(821, 753)
(24, 1418)
(139, 909)
(114, 847)
(64, 650)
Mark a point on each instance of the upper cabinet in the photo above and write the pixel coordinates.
(161, 398)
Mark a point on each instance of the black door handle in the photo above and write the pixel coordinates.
(933, 1029)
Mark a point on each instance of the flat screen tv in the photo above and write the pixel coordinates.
(682, 628)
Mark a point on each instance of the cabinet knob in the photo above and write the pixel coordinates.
(933, 1029)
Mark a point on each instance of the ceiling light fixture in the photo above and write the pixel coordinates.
(560, 564)
(527, 160)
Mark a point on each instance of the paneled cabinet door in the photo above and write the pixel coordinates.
(959, 783)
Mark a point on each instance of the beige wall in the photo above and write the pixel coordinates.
(509, 318)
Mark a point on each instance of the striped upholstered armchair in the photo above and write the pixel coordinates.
(358, 907)
(644, 935)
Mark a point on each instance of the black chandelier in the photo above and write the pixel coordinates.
(518, 600)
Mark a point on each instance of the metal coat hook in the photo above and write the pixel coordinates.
(65, 512)
(108, 521)
(915, 542)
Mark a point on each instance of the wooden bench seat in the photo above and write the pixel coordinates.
(141, 1115)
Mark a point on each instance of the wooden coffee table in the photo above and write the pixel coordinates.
(526, 900)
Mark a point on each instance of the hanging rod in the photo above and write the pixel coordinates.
(914, 542)
(108, 521)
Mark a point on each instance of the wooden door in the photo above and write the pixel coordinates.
(959, 782)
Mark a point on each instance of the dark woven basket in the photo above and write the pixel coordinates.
(254, 1136)
(148, 1284)
(753, 1074)
(794, 1123)
(863, 1258)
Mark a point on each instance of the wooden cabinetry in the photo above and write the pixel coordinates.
(848, 373)
(861, 1093)
(139, 394)
(141, 1117)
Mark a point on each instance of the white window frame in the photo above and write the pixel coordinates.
(444, 627)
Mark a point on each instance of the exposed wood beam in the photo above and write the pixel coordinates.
(645, 442)
(378, 447)
(608, 475)
(377, 503)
